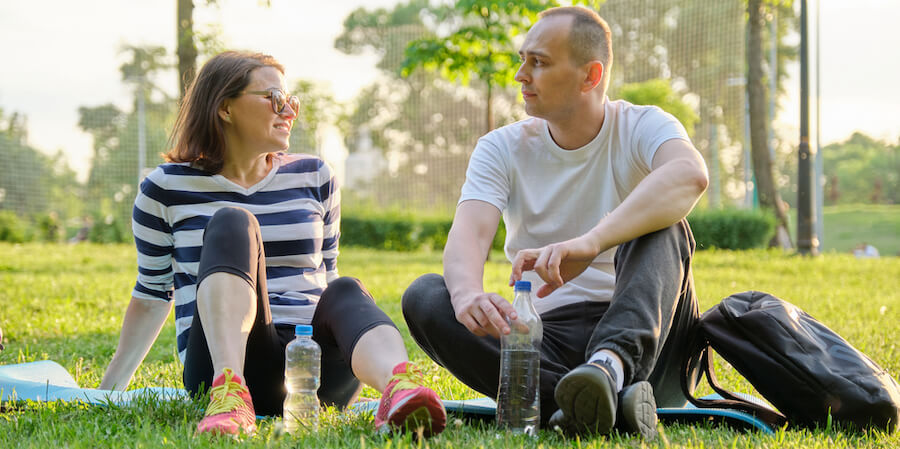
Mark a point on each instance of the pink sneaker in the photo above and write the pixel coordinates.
(230, 410)
(407, 405)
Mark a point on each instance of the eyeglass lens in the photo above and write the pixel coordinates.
(279, 100)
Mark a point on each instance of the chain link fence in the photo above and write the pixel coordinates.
(403, 143)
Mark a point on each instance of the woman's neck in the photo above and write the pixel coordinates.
(246, 171)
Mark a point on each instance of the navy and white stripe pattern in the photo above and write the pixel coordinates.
(298, 209)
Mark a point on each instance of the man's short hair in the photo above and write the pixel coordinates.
(589, 39)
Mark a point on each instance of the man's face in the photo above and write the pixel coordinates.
(551, 81)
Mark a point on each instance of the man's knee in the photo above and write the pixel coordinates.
(677, 236)
(423, 297)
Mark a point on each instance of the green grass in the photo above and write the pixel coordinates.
(849, 225)
(65, 303)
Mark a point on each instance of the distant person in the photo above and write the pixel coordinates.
(866, 251)
(84, 232)
(594, 195)
(242, 239)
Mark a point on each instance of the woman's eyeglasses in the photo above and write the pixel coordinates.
(279, 99)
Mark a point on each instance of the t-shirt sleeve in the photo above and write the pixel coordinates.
(487, 177)
(154, 242)
(654, 128)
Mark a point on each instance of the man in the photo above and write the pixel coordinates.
(594, 194)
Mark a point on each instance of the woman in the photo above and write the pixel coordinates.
(243, 239)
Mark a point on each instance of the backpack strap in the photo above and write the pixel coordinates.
(730, 400)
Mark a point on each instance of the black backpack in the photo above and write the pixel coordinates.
(798, 364)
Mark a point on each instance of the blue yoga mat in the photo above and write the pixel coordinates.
(49, 381)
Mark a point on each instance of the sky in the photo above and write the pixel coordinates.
(62, 54)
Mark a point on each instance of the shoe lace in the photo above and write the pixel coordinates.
(412, 378)
(226, 397)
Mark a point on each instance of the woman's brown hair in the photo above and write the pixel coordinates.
(199, 136)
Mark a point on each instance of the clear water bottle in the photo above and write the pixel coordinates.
(302, 368)
(518, 402)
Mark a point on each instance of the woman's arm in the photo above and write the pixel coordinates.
(143, 320)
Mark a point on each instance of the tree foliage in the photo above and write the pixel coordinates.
(480, 44)
(33, 183)
(862, 170)
(114, 173)
(317, 108)
(659, 92)
(422, 125)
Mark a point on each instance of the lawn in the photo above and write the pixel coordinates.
(65, 303)
(846, 226)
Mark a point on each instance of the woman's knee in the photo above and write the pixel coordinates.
(345, 288)
(228, 222)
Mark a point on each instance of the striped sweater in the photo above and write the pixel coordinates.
(298, 208)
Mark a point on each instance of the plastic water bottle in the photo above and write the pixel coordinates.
(518, 402)
(302, 368)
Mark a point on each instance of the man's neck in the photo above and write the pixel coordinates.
(579, 127)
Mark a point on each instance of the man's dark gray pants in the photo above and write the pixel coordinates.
(648, 324)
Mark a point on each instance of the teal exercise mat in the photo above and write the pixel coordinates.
(480, 408)
(485, 409)
(49, 381)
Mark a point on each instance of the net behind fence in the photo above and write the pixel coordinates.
(404, 142)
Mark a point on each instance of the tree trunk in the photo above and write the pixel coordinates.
(762, 162)
(187, 49)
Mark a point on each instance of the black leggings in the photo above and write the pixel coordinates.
(346, 310)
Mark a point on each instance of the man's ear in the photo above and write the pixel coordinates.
(594, 75)
(225, 111)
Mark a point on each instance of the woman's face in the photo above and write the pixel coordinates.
(250, 121)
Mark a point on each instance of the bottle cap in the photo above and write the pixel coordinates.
(303, 329)
(523, 285)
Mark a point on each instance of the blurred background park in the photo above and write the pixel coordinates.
(395, 94)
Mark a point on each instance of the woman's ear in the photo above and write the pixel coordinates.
(225, 111)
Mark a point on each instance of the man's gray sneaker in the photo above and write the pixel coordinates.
(637, 410)
(587, 396)
(589, 392)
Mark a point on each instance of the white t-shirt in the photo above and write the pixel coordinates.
(548, 194)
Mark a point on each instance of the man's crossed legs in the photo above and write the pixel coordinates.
(647, 325)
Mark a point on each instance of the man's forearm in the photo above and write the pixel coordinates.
(663, 198)
(463, 268)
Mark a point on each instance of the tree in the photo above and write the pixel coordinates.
(763, 170)
(421, 125)
(659, 92)
(186, 47)
(317, 107)
(190, 43)
(862, 170)
(113, 177)
(699, 45)
(32, 182)
(480, 45)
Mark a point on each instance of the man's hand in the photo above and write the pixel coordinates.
(556, 263)
(484, 313)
